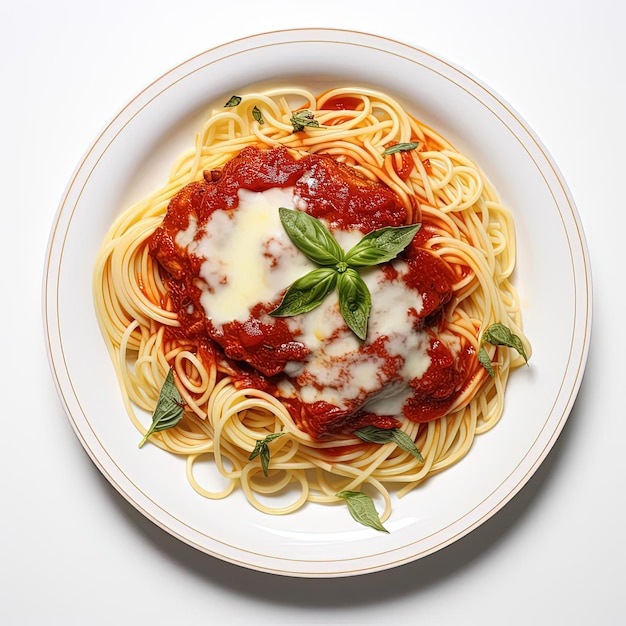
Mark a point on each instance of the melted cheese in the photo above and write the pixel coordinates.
(248, 258)
(337, 371)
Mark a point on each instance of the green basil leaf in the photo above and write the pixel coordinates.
(311, 236)
(301, 119)
(381, 245)
(401, 147)
(499, 335)
(355, 301)
(256, 114)
(262, 450)
(307, 293)
(485, 361)
(373, 434)
(233, 101)
(362, 509)
(263, 442)
(169, 408)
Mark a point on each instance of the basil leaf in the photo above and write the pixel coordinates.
(401, 147)
(311, 236)
(301, 119)
(262, 450)
(499, 335)
(485, 361)
(381, 245)
(168, 410)
(307, 293)
(256, 114)
(233, 101)
(355, 302)
(373, 434)
(263, 442)
(362, 509)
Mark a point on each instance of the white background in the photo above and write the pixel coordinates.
(74, 552)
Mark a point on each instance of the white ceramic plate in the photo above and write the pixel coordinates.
(133, 155)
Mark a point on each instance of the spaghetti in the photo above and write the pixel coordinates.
(227, 412)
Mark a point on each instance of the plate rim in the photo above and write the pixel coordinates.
(50, 280)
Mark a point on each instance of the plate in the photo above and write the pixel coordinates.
(133, 155)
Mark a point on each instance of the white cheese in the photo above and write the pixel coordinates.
(337, 371)
(248, 258)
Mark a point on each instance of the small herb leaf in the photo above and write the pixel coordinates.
(381, 245)
(499, 335)
(401, 147)
(300, 119)
(355, 301)
(373, 434)
(233, 101)
(168, 410)
(311, 236)
(262, 450)
(485, 361)
(362, 509)
(256, 114)
(307, 293)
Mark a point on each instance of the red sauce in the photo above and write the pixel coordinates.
(435, 392)
(255, 352)
(345, 199)
(266, 347)
(432, 279)
(344, 103)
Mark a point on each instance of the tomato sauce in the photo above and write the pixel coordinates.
(255, 352)
(344, 103)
